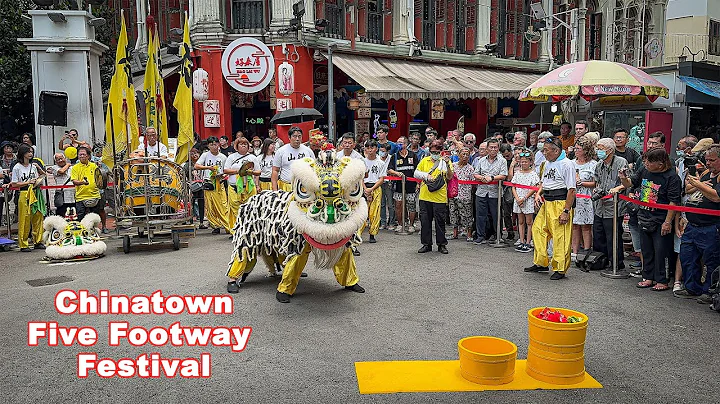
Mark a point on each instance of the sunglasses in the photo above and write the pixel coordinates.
(469, 142)
(524, 154)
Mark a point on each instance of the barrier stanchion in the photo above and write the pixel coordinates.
(404, 231)
(615, 273)
(8, 217)
(499, 242)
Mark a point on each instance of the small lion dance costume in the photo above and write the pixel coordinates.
(322, 214)
(67, 239)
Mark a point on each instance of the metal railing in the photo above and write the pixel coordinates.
(375, 27)
(335, 16)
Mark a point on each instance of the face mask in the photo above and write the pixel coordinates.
(435, 156)
(382, 153)
(602, 154)
(540, 145)
(680, 153)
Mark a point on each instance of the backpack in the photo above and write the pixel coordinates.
(592, 261)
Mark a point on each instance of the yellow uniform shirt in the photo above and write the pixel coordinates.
(439, 196)
(81, 172)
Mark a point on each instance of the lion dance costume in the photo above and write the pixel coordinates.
(321, 215)
(67, 239)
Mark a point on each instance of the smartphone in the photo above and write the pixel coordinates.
(692, 170)
(445, 153)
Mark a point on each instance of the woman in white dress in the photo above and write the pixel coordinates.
(584, 215)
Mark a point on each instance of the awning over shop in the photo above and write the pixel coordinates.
(403, 79)
(709, 87)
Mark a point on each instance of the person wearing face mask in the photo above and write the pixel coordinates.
(539, 156)
(433, 204)
(607, 181)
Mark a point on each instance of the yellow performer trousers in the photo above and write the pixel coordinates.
(245, 266)
(344, 270)
(373, 213)
(265, 186)
(216, 207)
(284, 186)
(547, 227)
(236, 200)
(25, 219)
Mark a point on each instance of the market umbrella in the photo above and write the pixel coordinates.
(592, 79)
(296, 115)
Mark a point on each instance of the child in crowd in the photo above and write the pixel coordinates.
(524, 204)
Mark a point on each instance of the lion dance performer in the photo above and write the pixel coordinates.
(321, 215)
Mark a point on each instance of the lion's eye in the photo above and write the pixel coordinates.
(301, 193)
(355, 192)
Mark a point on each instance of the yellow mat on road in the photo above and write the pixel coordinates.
(443, 376)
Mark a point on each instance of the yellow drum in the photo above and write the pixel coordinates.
(153, 184)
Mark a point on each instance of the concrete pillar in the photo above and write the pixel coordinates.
(483, 24)
(402, 21)
(282, 12)
(546, 41)
(582, 30)
(206, 27)
(65, 58)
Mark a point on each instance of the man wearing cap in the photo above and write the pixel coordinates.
(555, 198)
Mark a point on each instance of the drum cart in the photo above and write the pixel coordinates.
(153, 204)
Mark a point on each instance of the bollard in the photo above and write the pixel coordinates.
(499, 242)
(404, 231)
(615, 273)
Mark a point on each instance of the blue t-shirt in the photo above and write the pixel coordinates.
(394, 148)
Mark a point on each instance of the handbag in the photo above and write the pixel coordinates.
(453, 187)
(208, 185)
(91, 203)
(438, 182)
(59, 197)
(196, 186)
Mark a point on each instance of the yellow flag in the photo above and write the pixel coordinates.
(183, 102)
(160, 105)
(151, 90)
(124, 122)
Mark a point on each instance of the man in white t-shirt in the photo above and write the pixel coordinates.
(240, 191)
(154, 147)
(553, 222)
(61, 175)
(216, 203)
(282, 175)
(374, 177)
(347, 145)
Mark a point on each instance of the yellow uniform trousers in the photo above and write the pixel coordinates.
(283, 186)
(547, 227)
(216, 207)
(344, 270)
(235, 200)
(25, 219)
(245, 266)
(265, 186)
(373, 213)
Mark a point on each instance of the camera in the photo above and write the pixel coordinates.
(598, 194)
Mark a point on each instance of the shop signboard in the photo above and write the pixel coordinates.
(362, 126)
(212, 120)
(283, 104)
(248, 65)
(211, 107)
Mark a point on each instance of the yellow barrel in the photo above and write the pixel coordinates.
(487, 360)
(556, 353)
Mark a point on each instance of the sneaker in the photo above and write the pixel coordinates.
(678, 286)
(442, 249)
(216, 231)
(573, 257)
(557, 276)
(636, 265)
(355, 288)
(526, 248)
(704, 299)
(479, 241)
(355, 251)
(398, 229)
(510, 235)
(518, 242)
(532, 244)
(411, 229)
(492, 239)
(536, 268)
(232, 287)
(636, 274)
(202, 227)
(39, 246)
(25, 250)
(372, 239)
(684, 294)
(425, 249)
(383, 227)
(520, 247)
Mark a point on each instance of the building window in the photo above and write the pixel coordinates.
(714, 34)
(513, 24)
(428, 23)
(335, 16)
(595, 48)
(248, 15)
(460, 24)
(375, 21)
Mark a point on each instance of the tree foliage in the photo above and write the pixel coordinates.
(16, 88)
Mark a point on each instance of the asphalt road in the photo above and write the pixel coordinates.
(643, 346)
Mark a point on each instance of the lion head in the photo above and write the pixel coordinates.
(68, 238)
(328, 206)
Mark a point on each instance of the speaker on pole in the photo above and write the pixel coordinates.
(53, 108)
